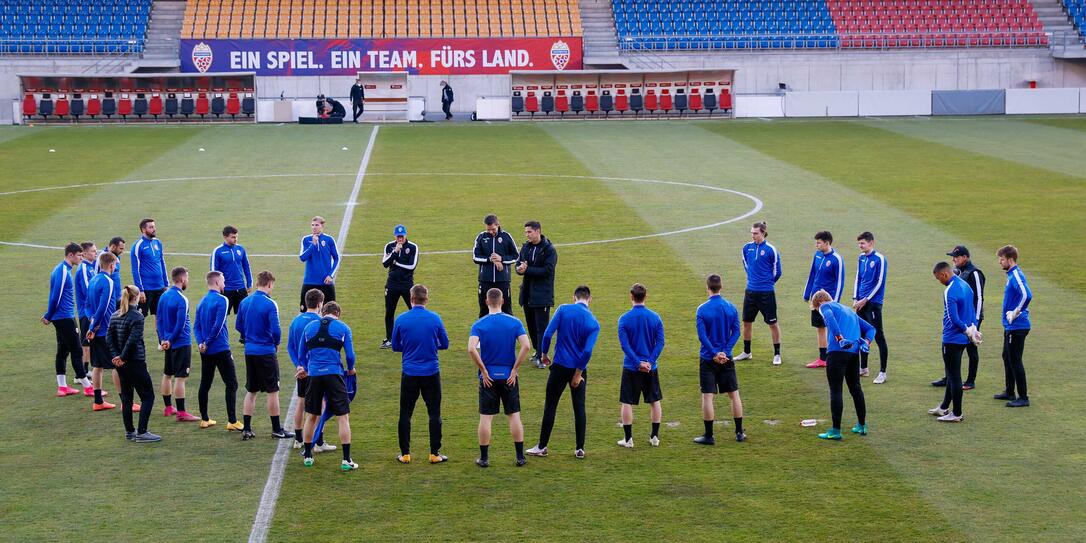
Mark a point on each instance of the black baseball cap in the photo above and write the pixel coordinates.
(960, 250)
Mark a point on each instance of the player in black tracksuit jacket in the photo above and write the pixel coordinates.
(494, 247)
(536, 263)
(401, 258)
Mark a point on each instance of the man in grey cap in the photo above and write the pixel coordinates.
(964, 268)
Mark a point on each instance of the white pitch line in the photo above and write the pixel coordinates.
(168, 179)
(265, 512)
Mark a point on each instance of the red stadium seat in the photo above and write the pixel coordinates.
(725, 99)
(695, 100)
(592, 102)
(622, 102)
(651, 101)
(154, 107)
(94, 107)
(124, 107)
(30, 106)
(202, 105)
(62, 108)
(561, 103)
(665, 101)
(531, 103)
(233, 105)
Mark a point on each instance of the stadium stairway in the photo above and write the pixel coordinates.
(163, 44)
(1065, 41)
(600, 37)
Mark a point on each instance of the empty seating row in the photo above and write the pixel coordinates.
(1076, 11)
(73, 26)
(380, 18)
(937, 23)
(545, 102)
(140, 105)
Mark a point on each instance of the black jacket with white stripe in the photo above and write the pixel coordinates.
(975, 279)
(401, 266)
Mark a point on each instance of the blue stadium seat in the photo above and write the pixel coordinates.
(73, 27)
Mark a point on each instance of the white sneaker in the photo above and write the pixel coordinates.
(744, 356)
(654, 441)
(864, 372)
(348, 465)
(776, 360)
(938, 411)
(950, 417)
(324, 447)
(579, 454)
(536, 451)
(625, 443)
(880, 378)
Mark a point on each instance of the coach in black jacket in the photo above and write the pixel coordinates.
(358, 99)
(536, 263)
(125, 339)
(495, 253)
(401, 258)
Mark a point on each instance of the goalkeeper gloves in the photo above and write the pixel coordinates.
(1011, 315)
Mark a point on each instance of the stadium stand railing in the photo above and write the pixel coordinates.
(826, 24)
(72, 27)
(294, 19)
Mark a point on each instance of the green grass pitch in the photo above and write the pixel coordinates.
(921, 185)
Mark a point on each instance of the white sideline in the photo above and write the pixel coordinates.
(265, 512)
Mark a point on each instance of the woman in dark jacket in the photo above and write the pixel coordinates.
(125, 339)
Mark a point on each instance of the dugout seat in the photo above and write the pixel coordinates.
(202, 105)
(622, 102)
(591, 102)
(62, 107)
(45, 107)
(170, 106)
(709, 101)
(561, 102)
(78, 107)
(665, 101)
(681, 101)
(517, 103)
(30, 106)
(576, 103)
(531, 104)
(726, 100)
(154, 106)
(695, 100)
(139, 106)
(233, 105)
(546, 105)
(124, 107)
(218, 106)
(651, 101)
(188, 106)
(637, 102)
(248, 106)
(109, 107)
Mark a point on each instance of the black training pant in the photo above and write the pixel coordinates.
(1014, 343)
(507, 302)
(223, 362)
(68, 344)
(134, 377)
(872, 313)
(557, 382)
(393, 294)
(357, 109)
(410, 388)
(952, 364)
(536, 320)
(445, 109)
(974, 360)
(843, 366)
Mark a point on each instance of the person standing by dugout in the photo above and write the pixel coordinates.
(358, 99)
(536, 263)
(401, 258)
(495, 253)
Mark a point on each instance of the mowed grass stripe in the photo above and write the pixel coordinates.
(67, 456)
(760, 482)
(985, 200)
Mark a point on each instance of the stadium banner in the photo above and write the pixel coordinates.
(423, 56)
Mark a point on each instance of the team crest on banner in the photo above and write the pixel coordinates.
(559, 54)
(202, 56)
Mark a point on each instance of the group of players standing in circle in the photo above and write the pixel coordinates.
(109, 334)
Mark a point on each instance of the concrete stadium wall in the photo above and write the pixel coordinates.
(890, 103)
(887, 70)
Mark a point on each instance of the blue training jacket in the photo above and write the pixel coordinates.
(870, 282)
(1016, 297)
(233, 262)
(295, 336)
(61, 294)
(827, 273)
(172, 322)
(325, 361)
(419, 334)
(718, 327)
(83, 275)
(258, 323)
(321, 260)
(577, 330)
(149, 265)
(498, 345)
(843, 325)
(641, 336)
(958, 313)
(210, 326)
(762, 263)
(102, 302)
(116, 276)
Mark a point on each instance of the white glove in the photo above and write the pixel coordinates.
(1011, 315)
(973, 334)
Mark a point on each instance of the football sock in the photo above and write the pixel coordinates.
(628, 430)
(180, 404)
(708, 428)
(738, 425)
(746, 346)
(655, 429)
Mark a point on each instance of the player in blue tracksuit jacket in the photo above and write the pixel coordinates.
(232, 260)
(83, 274)
(102, 301)
(1016, 326)
(419, 334)
(116, 248)
(717, 323)
(60, 312)
(641, 337)
(828, 274)
(314, 299)
(321, 258)
(849, 335)
(577, 329)
(175, 340)
(213, 342)
(258, 323)
(320, 352)
(762, 263)
(959, 329)
(149, 267)
(868, 292)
